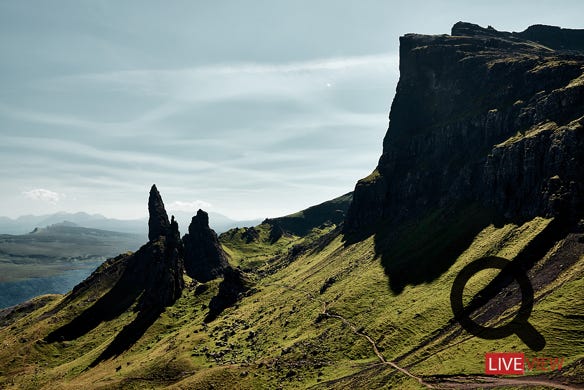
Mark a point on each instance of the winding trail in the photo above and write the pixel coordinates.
(434, 382)
(480, 381)
(325, 312)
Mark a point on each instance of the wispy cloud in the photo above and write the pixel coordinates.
(280, 133)
(83, 153)
(44, 195)
(176, 91)
(116, 129)
(241, 80)
(189, 205)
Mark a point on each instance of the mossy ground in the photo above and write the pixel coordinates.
(254, 254)
(277, 336)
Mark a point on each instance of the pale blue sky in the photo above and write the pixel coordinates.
(247, 108)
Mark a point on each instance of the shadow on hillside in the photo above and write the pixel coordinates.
(556, 231)
(419, 252)
(116, 301)
(145, 283)
(129, 335)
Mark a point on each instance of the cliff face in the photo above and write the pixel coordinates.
(481, 116)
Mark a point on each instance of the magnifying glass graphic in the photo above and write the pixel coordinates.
(519, 325)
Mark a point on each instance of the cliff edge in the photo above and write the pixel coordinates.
(481, 117)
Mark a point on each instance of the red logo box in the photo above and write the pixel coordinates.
(504, 363)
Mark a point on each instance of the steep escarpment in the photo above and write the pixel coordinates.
(481, 117)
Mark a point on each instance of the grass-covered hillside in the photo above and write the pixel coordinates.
(321, 314)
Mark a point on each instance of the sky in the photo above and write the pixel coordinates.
(251, 108)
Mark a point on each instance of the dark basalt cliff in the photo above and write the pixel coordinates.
(481, 117)
(204, 258)
(553, 37)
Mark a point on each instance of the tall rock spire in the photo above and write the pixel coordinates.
(204, 257)
(146, 282)
(158, 224)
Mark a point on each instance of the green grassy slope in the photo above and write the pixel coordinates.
(290, 331)
(302, 222)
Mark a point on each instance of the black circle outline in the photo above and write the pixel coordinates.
(484, 332)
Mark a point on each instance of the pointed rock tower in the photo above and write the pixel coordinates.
(204, 258)
(158, 224)
(148, 281)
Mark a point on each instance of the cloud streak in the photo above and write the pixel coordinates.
(193, 206)
(245, 136)
(176, 92)
(43, 195)
(220, 82)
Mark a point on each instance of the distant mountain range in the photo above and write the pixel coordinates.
(45, 254)
(55, 258)
(28, 223)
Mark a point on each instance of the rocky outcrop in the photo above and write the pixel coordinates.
(250, 234)
(540, 172)
(163, 257)
(551, 36)
(481, 116)
(204, 257)
(555, 37)
(276, 231)
(231, 289)
(148, 280)
(163, 273)
(158, 224)
(205, 260)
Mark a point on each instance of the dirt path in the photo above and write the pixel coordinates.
(325, 312)
(434, 382)
(485, 382)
